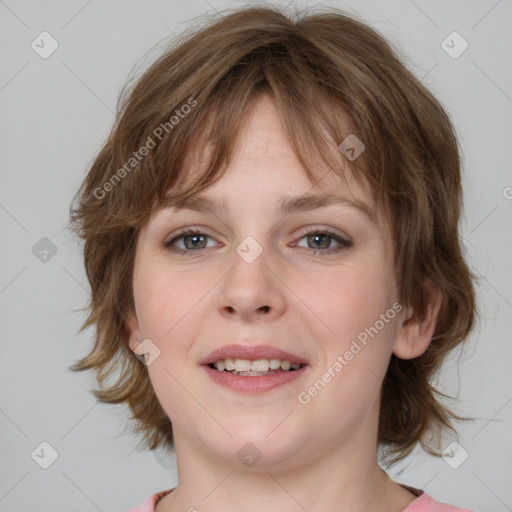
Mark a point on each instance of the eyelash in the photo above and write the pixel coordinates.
(342, 241)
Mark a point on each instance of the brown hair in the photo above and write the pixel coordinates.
(328, 73)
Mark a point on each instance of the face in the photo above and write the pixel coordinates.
(316, 283)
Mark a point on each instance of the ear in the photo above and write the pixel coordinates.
(415, 334)
(134, 331)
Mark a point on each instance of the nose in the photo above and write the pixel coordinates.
(252, 291)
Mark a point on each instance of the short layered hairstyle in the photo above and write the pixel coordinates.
(330, 75)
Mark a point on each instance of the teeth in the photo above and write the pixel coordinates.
(247, 367)
(242, 365)
(275, 364)
(260, 365)
(286, 365)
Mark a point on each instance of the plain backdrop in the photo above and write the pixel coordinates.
(55, 113)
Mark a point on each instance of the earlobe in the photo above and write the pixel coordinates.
(133, 331)
(415, 334)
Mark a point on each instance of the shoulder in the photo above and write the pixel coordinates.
(150, 504)
(425, 503)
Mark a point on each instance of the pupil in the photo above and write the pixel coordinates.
(195, 238)
(325, 237)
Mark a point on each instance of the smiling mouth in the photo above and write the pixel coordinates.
(254, 368)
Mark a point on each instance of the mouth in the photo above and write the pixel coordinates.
(259, 359)
(253, 368)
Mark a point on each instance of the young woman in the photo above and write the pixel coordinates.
(271, 239)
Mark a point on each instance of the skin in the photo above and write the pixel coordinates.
(316, 456)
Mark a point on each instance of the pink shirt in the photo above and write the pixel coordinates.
(424, 503)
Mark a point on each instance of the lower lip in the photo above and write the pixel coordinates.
(253, 384)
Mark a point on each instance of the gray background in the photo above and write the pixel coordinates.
(55, 114)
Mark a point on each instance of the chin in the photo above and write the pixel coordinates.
(263, 445)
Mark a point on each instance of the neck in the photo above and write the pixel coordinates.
(356, 485)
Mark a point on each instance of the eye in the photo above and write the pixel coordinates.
(320, 241)
(192, 240)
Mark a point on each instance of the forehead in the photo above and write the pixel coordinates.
(263, 147)
(264, 160)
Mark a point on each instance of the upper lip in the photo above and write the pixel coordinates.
(252, 353)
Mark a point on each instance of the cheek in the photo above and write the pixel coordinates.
(166, 300)
(354, 341)
(350, 298)
(347, 324)
(164, 295)
(154, 300)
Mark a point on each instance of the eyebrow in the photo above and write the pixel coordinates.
(286, 205)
